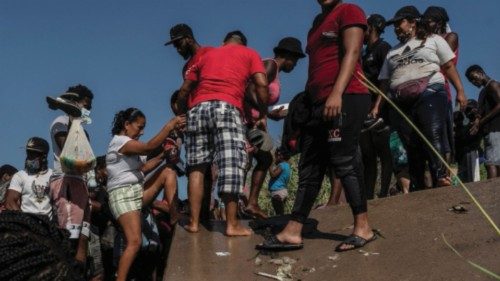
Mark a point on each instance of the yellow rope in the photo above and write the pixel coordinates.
(376, 90)
(485, 270)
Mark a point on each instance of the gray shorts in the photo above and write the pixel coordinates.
(492, 149)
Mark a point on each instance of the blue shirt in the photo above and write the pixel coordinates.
(281, 181)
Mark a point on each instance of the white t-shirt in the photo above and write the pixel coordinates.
(122, 169)
(34, 190)
(60, 124)
(412, 60)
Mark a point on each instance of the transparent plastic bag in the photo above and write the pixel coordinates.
(77, 156)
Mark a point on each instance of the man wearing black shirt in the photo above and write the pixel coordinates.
(374, 138)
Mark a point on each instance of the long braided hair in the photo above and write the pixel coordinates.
(33, 248)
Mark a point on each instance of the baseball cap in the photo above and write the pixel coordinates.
(407, 12)
(178, 32)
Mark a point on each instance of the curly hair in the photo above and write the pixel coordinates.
(33, 248)
(130, 114)
(82, 91)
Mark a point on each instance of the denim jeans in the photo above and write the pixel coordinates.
(430, 114)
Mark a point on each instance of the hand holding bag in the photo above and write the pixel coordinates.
(77, 156)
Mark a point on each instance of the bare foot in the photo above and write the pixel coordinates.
(238, 230)
(292, 239)
(193, 228)
(256, 211)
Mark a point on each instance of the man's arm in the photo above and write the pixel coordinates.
(495, 92)
(60, 139)
(13, 200)
(384, 87)
(186, 88)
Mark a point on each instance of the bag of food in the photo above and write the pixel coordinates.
(77, 156)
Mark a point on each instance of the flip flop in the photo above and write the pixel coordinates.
(356, 241)
(273, 244)
(65, 105)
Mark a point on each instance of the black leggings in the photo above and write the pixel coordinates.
(341, 153)
(375, 144)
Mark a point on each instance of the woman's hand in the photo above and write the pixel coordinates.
(333, 106)
(177, 123)
(461, 99)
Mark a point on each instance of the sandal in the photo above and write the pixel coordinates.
(273, 244)
(68, 106)
(355, 241)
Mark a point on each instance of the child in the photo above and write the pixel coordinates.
(280, 176)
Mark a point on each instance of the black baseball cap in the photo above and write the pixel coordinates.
(407, 12)
(178, 32)
(377, 21)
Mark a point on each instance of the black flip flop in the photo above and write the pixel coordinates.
(67, 106)
(356, 241)
(273, 244)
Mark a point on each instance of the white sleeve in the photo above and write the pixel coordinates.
(16, 183)
(384, 71)
(443, 50)
(121, 141)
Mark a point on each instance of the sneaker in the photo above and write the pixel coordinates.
(68, 106)
(372, 123)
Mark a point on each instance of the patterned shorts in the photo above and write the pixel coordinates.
(125, 199)
(215, 133)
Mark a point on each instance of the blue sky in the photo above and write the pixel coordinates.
(116, 49)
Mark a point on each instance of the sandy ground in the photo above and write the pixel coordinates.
(413, 248)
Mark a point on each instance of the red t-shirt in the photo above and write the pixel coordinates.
(222, 74)
(194, 59)
(324, 48)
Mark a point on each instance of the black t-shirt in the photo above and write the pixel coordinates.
(373, 59)
(487, 102)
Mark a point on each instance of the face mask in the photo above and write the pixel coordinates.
(32, 166)
(403, 38)
(86, 116)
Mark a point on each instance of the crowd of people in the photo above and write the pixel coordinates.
(113, 220)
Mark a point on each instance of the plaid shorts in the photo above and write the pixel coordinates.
(125, 199)
(215, 133)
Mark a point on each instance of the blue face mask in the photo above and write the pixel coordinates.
(32, 166)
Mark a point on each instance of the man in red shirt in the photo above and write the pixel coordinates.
(214, 89)
(339, 103)
(182, 38)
